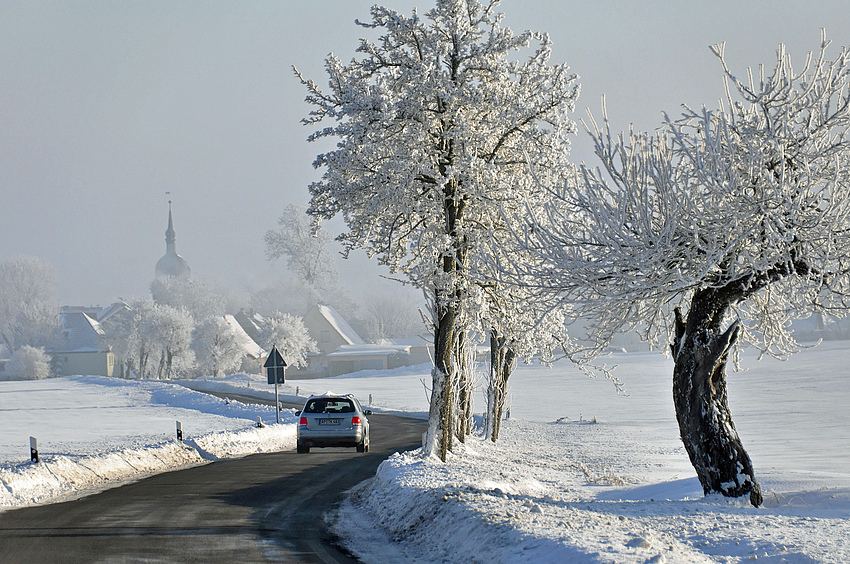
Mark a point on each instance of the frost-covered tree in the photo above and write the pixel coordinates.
(28, 311)
(194, 296)
(216, 347)
(436, 123)
(149, 332)
(289, 295)
(520, 326)
(305, 249)
(28, 363)
(736, 219)
(171, 339)
(130, 336)
(289, 334)
(390, 315)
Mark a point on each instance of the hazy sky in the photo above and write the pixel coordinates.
(106, 106)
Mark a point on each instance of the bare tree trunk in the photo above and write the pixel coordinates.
(169, 361)
(700, 352)
(143, 363)
(502, 359)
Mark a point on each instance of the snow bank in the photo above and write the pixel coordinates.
(540, 496)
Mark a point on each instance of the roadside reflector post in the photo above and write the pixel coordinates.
(275, 368)
(260, 422)
(33, 449)
(179, 431)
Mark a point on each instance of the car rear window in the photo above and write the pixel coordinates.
(329, 405)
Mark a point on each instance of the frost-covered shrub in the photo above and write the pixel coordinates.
(28, 363)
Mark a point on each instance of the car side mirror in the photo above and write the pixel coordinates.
(298, 414)
(367, 412)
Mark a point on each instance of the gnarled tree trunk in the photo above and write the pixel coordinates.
(700, 352)
(502, 359)
(465, 361)
(440, 427)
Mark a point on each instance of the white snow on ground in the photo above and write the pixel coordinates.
(610, 482)
(580, 474)
(94, 433)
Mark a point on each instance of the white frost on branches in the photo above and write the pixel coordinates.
(291, 337)
(750, 201)
(28, 363)
(305, 247)
(216, 347)
(28, 311)
(436, 124)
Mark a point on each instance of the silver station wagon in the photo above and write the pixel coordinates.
(333, 420)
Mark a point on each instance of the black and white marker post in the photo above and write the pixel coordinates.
(33, 449)
(275, 367)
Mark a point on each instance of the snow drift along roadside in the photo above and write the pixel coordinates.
(579, 492)
(58, 477)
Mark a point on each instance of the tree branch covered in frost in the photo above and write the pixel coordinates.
(289, 334)
(750, 202)
(28, 311)
(305, 248)
(404, 102)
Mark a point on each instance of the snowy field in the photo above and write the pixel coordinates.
(95, 432)
(579, 475)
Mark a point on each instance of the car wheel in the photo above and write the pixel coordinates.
(362, 446)
(302, 448)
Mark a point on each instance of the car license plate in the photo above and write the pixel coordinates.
(328, 421)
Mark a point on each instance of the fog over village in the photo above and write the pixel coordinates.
(564, 243)
(106, 108)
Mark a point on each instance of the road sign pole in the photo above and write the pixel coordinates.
(275, 370)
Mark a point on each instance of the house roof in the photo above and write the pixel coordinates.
(245, 341)
(80, 331)
(341, 325)
(107, 312)
(250, 322)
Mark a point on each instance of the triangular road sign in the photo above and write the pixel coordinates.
(275, 359)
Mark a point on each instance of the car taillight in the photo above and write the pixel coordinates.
(302, 421)
(355, 421)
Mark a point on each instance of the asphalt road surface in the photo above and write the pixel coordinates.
(261, 508)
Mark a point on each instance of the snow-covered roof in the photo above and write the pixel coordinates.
(81, 331)
(405, 342)
(107, 312)
(245, 341)
(366, 349)
(341, 325)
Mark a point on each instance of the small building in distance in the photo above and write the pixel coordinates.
(342, 350)
(81, 351)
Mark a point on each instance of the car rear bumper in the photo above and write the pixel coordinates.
(336, 439)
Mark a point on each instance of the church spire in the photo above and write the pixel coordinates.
(170, 237)
(172, 264)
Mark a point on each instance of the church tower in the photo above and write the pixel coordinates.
(172, 264)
